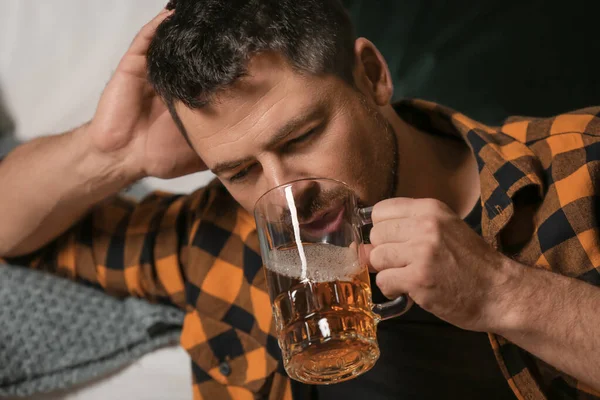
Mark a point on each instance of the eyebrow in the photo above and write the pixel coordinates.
(287, 129)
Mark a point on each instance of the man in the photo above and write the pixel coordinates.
(267, 92)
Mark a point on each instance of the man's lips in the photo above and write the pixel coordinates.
(325, 222)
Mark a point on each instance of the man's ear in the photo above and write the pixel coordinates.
(371, 72)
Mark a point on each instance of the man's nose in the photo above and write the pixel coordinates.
(277, 174)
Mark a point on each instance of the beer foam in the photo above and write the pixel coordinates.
(324, 263)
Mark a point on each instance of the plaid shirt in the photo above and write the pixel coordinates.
(200, 252)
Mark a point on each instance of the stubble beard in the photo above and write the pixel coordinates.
(391, 140)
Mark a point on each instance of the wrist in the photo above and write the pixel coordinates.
(506, 309)
(96, 170)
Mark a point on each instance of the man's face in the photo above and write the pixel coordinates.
(277, 125)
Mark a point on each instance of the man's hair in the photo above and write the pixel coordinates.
(205, 46)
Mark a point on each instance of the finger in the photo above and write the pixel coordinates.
(394, 282)
(398, 230)
(390, 255)
(403, 207)
(363, 255)
(141, 42)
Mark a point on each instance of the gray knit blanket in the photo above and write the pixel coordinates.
(55, 333)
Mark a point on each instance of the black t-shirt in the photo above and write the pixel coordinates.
(423, 357)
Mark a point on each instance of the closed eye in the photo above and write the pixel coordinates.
(302, 138)
(238, 177)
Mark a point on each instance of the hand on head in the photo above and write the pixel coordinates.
(133, 125)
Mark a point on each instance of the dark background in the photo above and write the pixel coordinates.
(489, 59)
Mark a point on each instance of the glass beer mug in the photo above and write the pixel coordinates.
(318, 280)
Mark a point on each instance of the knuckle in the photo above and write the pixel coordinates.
(430, 224)
(426, 277)
(435, 239)
(432, 204)
(435, 206)
(432, 229)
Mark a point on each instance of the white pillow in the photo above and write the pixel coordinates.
(57, 56)
(55, 59)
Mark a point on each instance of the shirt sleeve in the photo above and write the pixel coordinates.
(130, 248)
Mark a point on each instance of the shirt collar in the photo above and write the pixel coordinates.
(506, 165)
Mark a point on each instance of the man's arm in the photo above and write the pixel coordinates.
(554, 318)
(57, 208)
(142, 249)
(422, 248)
(49, 183)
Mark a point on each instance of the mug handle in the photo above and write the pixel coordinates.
(392, 308)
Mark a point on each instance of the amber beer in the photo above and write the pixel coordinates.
(309, 232)
(323, 312)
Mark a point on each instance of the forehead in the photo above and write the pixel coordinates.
(260, 103)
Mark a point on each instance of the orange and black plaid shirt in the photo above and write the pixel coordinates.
(200, 252)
